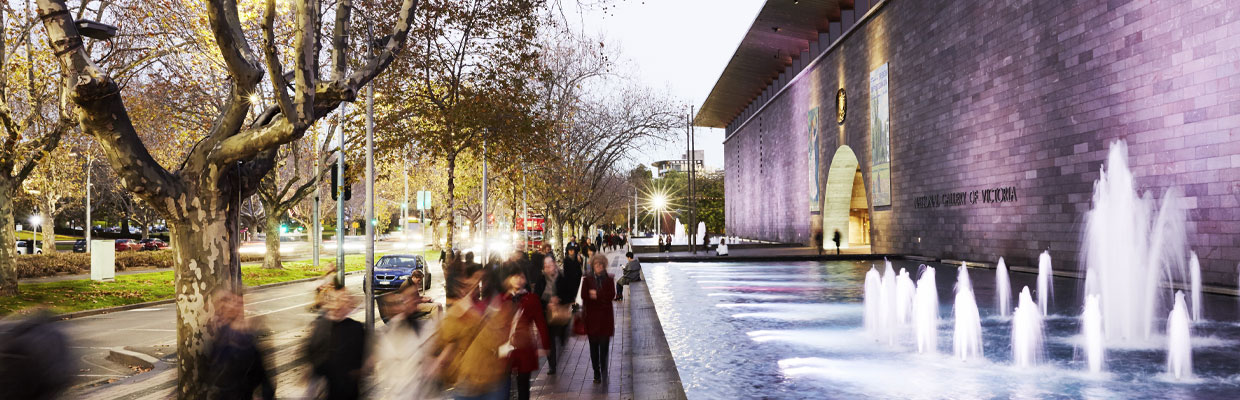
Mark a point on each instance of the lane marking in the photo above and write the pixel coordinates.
(277, 298)
(282, 309)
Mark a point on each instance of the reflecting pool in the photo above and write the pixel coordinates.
(797, 330)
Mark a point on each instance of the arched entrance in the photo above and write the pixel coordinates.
(844, 204)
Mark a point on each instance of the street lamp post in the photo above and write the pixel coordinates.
(35, 220)
(370, 197)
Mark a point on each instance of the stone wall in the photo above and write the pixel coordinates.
(1022, 94)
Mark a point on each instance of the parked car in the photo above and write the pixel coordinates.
(153, 244)
(23, 247)
(392, 270)
(79, 246)
(127, 245)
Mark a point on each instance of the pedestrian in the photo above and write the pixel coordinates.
(337, 348)
(556, 295)
(545, 249)
(527, 340)
(573, 270)
(238, 364)
(836, 238)
(660, 243)
(632, 273)
(456, 280)
(36, 361)
(817, 242)
(597, 292)
(403, 367)
(468, 365)
(533, 263)
(722, 248)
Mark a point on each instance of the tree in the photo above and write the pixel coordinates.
(30, 123)
(235, 152)
(297, 174)
(59, 177)
(711, 202)
(468, 84)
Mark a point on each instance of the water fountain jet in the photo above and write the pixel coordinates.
(873, 292)
(1003, 289)
(1129, 249)
(1179, 345)
(1194, 274)
(1045, 278)
(1091, 328)
(967, 336)
(926, 312)
(1026, 332)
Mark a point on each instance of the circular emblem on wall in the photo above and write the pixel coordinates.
(841, 106)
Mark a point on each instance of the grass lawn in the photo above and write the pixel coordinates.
(25, 235)
(70, 296)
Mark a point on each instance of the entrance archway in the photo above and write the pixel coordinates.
(844, 204)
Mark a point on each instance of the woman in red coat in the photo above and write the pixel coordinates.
(597, 290)
(527, 345)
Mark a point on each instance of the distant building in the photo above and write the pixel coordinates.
(682, 165)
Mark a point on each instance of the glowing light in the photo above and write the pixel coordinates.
(658, 201)
(255, 99)
(36, 219)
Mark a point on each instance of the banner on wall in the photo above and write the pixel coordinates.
(880, 138)
(815, 183)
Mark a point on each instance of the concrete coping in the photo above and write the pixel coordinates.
(655, 375)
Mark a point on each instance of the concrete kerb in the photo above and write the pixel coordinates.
(654, 368)
(656, 258)
(87, 313)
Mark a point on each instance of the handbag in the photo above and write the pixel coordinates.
(579, 323)
(559, 314)
(507, 347)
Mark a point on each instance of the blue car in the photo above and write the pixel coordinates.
(392, 270)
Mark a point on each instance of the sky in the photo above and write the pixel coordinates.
(680, 46)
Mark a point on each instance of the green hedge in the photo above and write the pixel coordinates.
(44, 265)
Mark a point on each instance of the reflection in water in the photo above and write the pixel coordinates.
(795, 330)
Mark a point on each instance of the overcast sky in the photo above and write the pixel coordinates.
(677, 45)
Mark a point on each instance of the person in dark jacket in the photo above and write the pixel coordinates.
(237, 364)
(632, 273)
(554, 291)
(573, 271)
(597, 290)
(337, 347)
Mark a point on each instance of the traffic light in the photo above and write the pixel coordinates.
(348, 191)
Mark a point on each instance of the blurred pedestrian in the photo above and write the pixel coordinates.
(632, 273)
(836, 238)
(528, 339)
(337, 348)
(238, 365)
(403, 367)
(35, 359)
(556, 295)
(597, 290)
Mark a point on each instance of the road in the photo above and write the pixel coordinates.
(282, 312)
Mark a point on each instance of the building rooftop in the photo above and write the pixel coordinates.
(781, 36)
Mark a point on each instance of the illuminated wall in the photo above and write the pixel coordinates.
(1023, 95)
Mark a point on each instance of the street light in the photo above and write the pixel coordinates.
(658, 201)
(35, 220)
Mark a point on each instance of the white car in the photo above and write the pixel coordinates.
(21, 248)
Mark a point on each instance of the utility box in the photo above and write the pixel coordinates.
(102, 260)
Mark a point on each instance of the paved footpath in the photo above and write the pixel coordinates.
(284, 314)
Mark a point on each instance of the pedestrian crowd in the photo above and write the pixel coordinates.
(499, 319)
